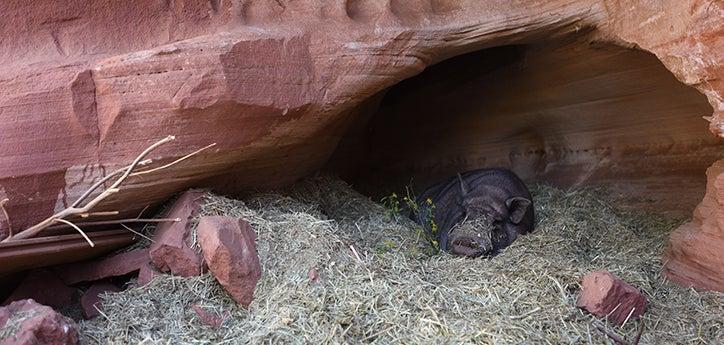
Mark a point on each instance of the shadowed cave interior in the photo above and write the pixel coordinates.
(569, 112)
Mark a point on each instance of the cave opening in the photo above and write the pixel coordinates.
(571, 113)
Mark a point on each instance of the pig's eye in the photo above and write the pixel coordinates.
(497, 222)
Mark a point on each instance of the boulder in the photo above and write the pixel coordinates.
(606, 296)
(91, 302)
(112, 266)
(229, 249)
(44, 287)
(170, 251)
(31, 323)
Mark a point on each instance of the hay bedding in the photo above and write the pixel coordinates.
(379, 282)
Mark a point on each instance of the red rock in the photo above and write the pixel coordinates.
(313, 276)
(171, 251)
(91, 301)
(37, 324)
(83, 100)
(606, 296)
(146, 274)
(18, 256)
(208, 318)
(44, 287)
(229, 248)
(112, 266)
(695, 255)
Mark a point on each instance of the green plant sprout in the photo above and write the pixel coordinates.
(396, 210)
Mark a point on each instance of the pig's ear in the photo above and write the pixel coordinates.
(517, 207)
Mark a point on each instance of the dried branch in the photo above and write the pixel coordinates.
(119, 221)
(75, 210)
(615, 337)
(628, 317)
(141, 163)
(103, 181)
(137, 233)
(7, 217)
(142, 211)
(77, 229)
(95, 214)
(174, 162)
(619, 340)
(114, 187)
(638, 335)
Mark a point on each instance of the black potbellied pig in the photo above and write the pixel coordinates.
(476, 213)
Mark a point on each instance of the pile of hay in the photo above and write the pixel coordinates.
(378, 281)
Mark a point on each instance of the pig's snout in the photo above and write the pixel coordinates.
(470, 246)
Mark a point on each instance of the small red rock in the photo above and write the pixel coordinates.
(208, 318)
(146, 274)
(44, 287)
(229, 247)
(37, 324)
(602, 294)
(313, 276)
(170, 251)
(91, 301)
(111, 266)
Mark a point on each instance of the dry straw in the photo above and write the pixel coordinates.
(380, 283)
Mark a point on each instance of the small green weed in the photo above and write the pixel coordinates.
(398, 208)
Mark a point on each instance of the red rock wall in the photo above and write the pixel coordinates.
(687, 36)
(696, 253)
(89, 84)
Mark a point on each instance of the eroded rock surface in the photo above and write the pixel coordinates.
(695, 256)
(229, 249)
(87, 85)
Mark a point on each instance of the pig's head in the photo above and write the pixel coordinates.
(491, 221)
